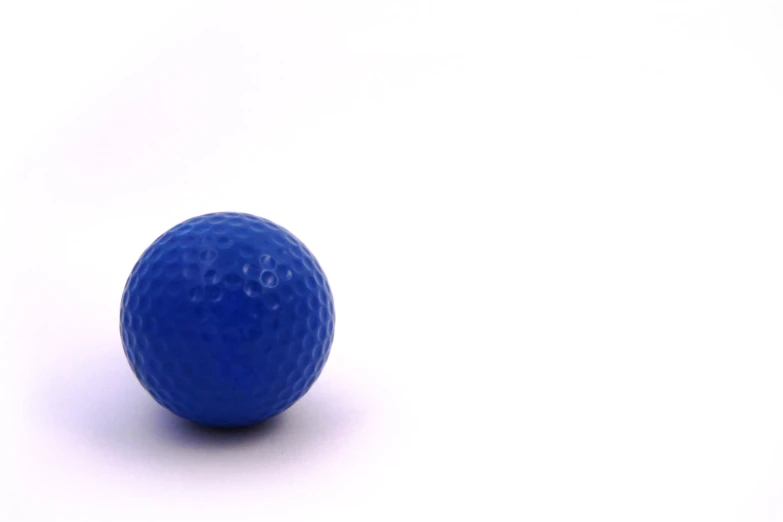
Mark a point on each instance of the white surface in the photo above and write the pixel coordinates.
(553, 230)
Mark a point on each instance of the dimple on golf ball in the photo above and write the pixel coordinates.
(227, 319)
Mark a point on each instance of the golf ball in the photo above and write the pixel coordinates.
(227, 319)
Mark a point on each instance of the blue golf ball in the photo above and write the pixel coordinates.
(227, 319)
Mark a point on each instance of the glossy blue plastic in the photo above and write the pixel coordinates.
(227, 319)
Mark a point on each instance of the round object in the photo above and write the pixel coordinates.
(227, 319)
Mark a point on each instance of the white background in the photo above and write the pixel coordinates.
(553, 231)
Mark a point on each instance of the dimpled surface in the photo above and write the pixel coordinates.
(227, 319)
